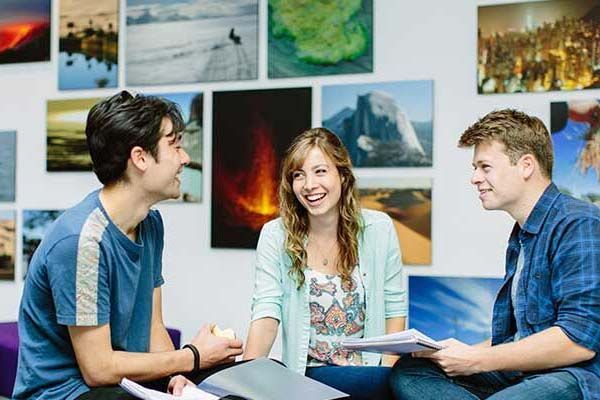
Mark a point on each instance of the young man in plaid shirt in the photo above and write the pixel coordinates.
(546, 320)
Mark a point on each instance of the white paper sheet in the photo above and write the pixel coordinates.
(188, 393)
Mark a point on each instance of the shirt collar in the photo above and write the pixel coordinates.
(540, 211)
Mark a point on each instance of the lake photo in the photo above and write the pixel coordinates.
(88, 45)
(82, 68)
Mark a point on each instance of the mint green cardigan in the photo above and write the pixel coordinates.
(276, 294)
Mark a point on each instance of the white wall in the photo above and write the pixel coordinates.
(426, 39)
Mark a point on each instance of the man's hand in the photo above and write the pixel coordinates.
(215, 350)
(177, 383)
(456, 358)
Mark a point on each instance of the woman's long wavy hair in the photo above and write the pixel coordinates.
(295, 216)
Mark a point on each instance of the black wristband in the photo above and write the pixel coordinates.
(196, 356)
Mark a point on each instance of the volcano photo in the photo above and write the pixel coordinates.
(251, 131)
(24, 31)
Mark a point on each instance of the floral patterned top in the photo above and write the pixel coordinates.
(337, 311)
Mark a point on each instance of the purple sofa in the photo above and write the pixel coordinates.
(9, 348)
(175, 337)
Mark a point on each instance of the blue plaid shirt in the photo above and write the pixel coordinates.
(560, 281)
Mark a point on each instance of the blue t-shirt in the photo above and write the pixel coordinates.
(86, 272)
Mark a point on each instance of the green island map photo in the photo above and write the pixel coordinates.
(320, 38)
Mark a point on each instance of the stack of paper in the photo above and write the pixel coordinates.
(395, 343)
(188, 393)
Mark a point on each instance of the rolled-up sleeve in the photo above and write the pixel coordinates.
(268, 290)
(576, 281)
(394, 288)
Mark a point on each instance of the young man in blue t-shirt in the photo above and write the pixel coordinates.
(91, 310)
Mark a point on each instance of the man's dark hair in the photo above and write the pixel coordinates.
(121, 122)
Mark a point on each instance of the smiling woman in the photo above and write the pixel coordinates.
(316, 267)
(318, 186)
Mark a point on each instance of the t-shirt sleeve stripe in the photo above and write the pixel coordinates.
(88, 258)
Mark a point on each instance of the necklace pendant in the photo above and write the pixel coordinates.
(325, 261)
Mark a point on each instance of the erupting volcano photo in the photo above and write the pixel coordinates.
(24, 31)
(251, 131)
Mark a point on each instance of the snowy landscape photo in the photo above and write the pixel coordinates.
(179, 41)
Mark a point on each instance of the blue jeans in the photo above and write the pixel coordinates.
(361, 383)
(414, 378)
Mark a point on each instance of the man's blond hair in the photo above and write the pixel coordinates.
(519, 133)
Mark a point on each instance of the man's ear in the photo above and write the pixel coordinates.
(139, 158)
(528, 165)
